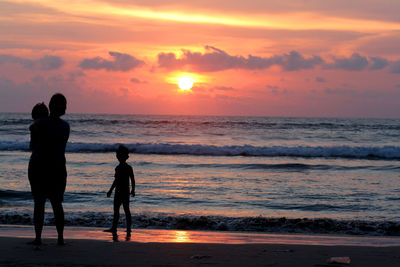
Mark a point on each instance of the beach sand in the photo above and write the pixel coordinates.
(87, 248)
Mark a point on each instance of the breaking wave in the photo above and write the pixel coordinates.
(357, 152)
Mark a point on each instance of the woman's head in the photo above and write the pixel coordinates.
(57, 105)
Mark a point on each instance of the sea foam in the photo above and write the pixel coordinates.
(358, 152)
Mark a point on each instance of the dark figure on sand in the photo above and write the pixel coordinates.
(39, 111)
(121, 184)
(47, 171)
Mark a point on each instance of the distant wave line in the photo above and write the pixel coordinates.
(222, 123)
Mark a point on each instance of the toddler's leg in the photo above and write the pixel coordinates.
(127, 215)
(117, 205)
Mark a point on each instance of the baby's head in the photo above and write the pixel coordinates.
(122, 153)
(39, 111)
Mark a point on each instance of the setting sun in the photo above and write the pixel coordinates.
(185, 83)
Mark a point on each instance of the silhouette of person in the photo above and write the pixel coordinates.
(115, 237)
(121, 184)
(47, 169)
(39, 112)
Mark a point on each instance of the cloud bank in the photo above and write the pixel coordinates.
(214, 59)
(46, 62)
(120, 62)
(378, 63)
(354, 62)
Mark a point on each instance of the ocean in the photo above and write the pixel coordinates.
(263, 174)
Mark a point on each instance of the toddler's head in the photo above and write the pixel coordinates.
(39, 111)
(122, 153)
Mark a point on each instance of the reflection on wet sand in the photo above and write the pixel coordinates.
(216, 237)
(181, 236)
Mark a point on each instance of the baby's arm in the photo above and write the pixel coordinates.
(33, 140)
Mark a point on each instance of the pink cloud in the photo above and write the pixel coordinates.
(215, 59)
(46, 62)
(120, 62)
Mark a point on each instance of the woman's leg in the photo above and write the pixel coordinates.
(58, 211)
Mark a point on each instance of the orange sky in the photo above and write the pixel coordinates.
(267, 58)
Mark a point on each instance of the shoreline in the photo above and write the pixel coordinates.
(90, 246)
(282, 224)
(201, 237)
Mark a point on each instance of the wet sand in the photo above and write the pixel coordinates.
(85, 249)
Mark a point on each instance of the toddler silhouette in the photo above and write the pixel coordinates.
(122, 191)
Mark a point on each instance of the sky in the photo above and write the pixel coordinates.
(312, 58)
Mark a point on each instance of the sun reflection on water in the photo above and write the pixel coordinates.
(181, 236)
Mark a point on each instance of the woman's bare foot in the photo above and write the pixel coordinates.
(36, 242)
(60, 241)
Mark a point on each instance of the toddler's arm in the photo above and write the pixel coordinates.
(111, 189)
(132, 176)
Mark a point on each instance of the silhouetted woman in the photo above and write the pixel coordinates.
(47, 170)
